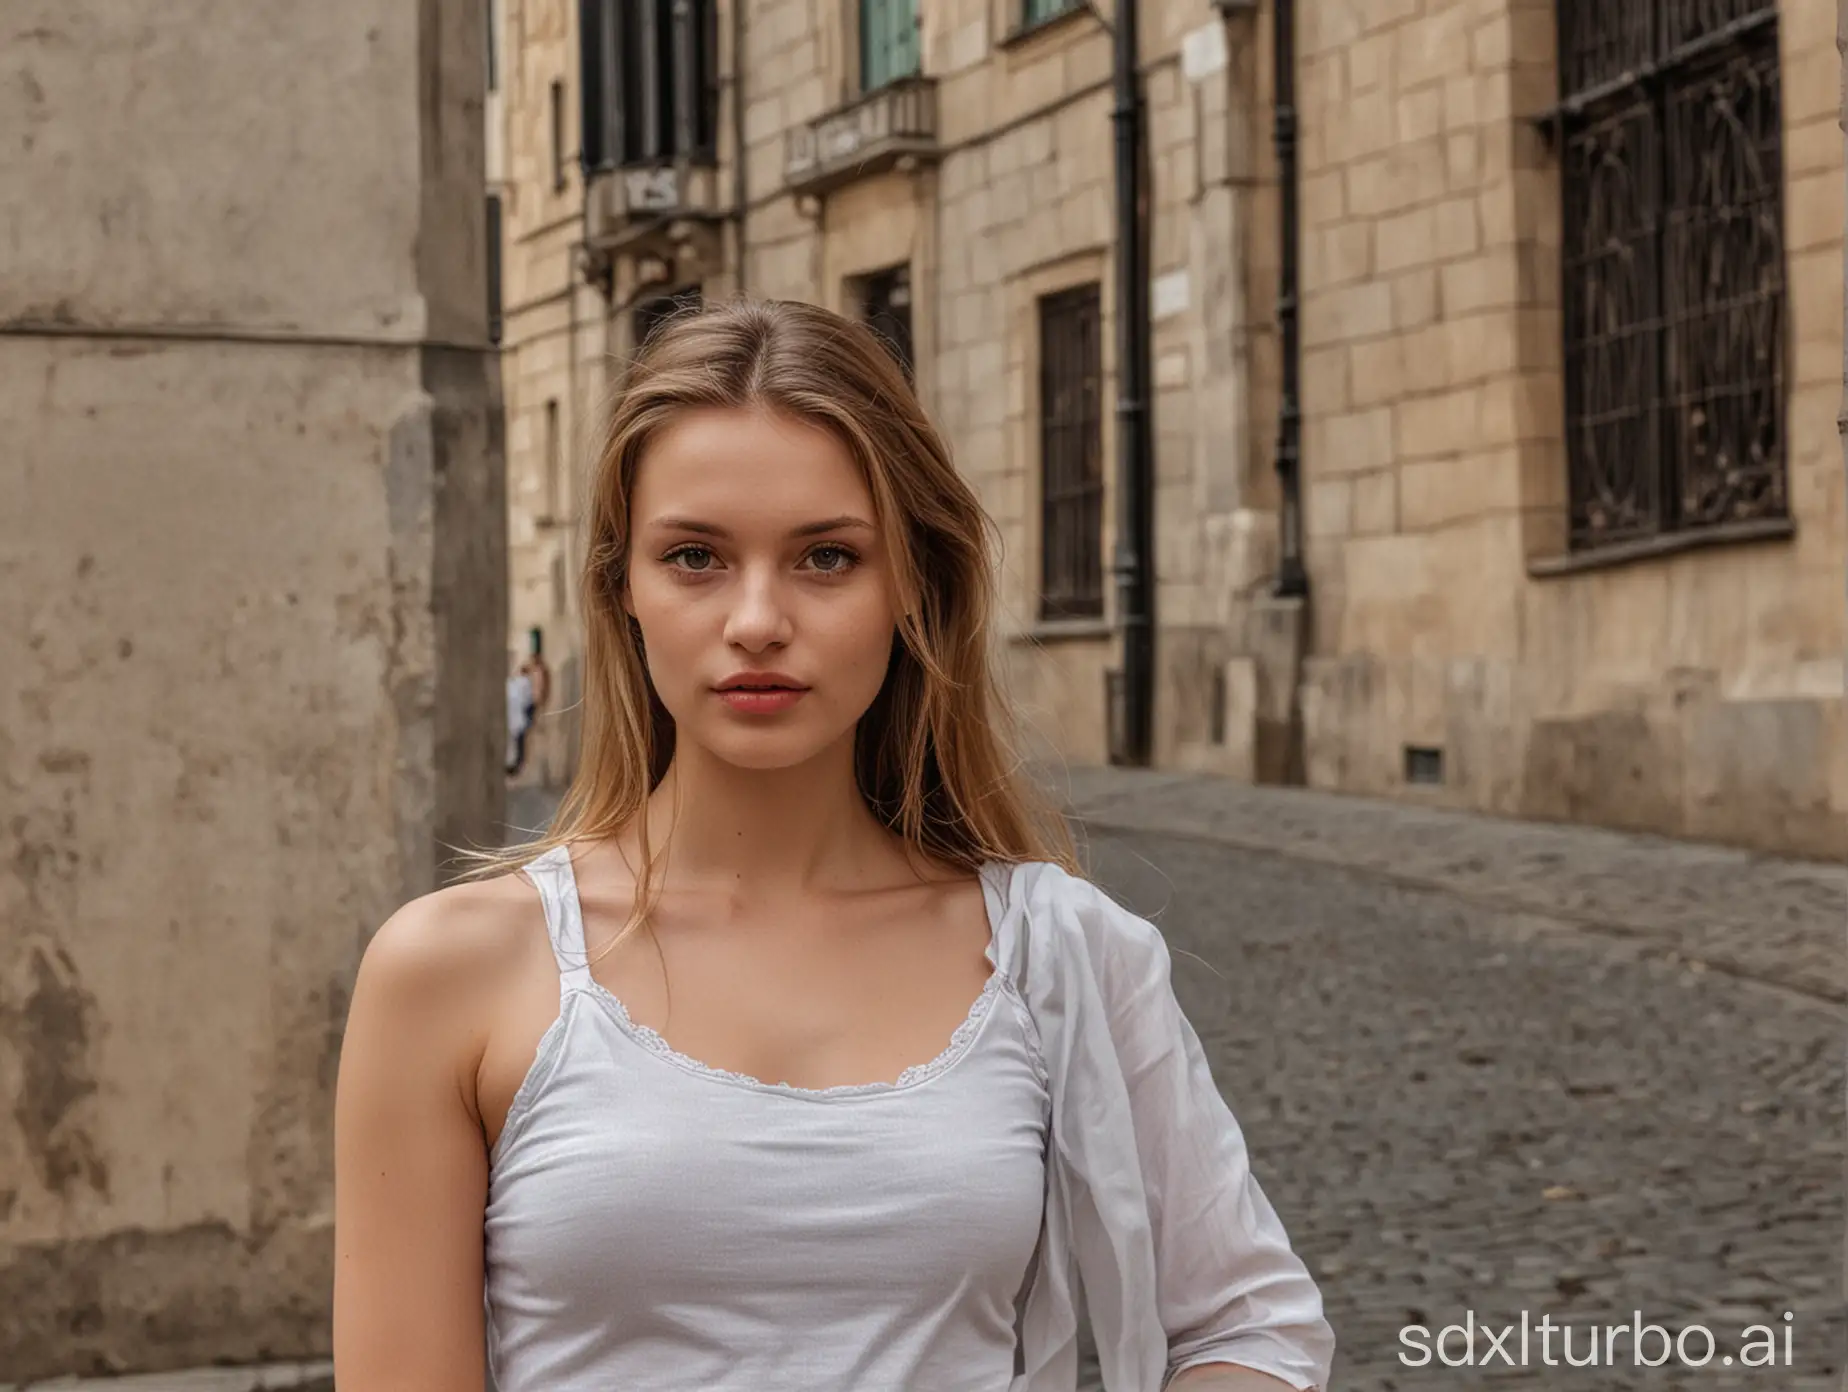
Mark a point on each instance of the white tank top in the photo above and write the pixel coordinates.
(653, 1223)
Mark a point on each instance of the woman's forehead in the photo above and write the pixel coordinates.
(747, 469)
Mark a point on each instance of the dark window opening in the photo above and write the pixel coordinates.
(554, 463)
(558, 137)
(1071, 385)
(650, 83)
(496, 311)
(493, 48)
(885, 305)
(596, 74)
(1670, 130)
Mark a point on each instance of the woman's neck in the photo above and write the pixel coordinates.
(772, 829)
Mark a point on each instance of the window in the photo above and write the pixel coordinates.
(1670, 134)
(493, 47)
(495, 309)
(885, 304)
(1071, 455)
(650, 81)
(554, 464)
(558, 137)
(1039, 11)
(888, 42)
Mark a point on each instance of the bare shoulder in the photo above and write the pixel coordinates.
(457, 941)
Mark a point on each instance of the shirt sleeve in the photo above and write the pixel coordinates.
(1228, 1286)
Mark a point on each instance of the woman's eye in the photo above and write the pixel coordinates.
(832, 560)
(697, 558)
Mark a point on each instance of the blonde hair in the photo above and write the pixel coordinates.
(934, 756)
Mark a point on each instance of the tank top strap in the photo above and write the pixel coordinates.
(556, 882)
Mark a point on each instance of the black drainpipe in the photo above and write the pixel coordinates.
(1135, 549)
(740, 187)
(1292, 579)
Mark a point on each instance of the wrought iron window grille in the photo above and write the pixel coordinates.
(1669, 136)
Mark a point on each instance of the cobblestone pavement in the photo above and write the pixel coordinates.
(1461, 1107)
(1777, 921)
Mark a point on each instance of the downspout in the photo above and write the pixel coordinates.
(740, 191)
(1135, 529)
(1292, 578)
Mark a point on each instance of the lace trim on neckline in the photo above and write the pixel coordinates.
(960, 1040)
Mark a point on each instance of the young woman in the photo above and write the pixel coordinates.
(798, 1055)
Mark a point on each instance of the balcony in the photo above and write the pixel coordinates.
(876, 133)
(648, 207)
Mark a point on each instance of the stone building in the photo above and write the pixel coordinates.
(251, 548)
(1568, 537)
(1572, 277)
(552, 324)
(946, 174)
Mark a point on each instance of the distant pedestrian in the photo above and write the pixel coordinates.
(539, 682)
(829, 1071)
(519, 719)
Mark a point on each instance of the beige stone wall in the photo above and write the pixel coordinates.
(250, 543)
(552, 357)
(1432, 394)
(1697, 693)
(1019, 205)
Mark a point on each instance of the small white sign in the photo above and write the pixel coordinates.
(652, 190)
(1168, 295)
(1203, 52)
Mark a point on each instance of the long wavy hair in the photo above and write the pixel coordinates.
(934, 755)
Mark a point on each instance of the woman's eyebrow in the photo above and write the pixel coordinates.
(830, 524)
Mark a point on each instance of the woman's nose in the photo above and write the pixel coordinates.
(760, 618)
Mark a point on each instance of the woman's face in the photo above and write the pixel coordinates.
(758, 577)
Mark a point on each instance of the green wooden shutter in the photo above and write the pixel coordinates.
(888, 42)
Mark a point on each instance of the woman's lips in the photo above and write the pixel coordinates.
(761, 701)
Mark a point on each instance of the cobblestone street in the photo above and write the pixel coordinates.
(1494, 1066)
(1464, 1107)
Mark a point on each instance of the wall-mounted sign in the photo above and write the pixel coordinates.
(651, 190)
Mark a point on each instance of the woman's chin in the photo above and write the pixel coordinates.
(766, 750)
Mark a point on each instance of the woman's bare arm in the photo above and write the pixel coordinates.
(410, 1166)
(1224, 1377)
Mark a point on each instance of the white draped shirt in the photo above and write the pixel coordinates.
(1151, 1206)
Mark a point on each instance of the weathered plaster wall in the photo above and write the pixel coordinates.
(252, 633)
